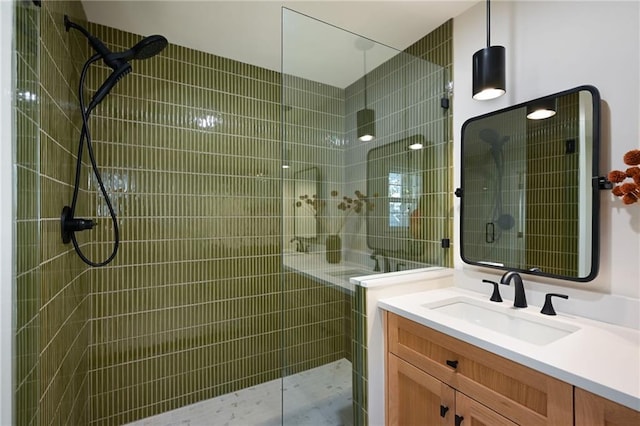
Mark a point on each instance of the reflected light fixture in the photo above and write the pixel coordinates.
(285, 159)
(415, 142)
(365, 118)
(489, 68)
(541, 109)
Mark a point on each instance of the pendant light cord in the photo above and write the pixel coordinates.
(488, 24)
(364, 67)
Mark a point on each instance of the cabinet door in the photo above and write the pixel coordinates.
(470, 412)
(416, 398)
(596, 411)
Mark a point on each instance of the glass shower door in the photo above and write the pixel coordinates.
(352, 205)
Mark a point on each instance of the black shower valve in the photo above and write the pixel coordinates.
(69, 224)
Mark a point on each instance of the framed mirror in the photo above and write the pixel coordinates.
(529, 195)
(306, 183)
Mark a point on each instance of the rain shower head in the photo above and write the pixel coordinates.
(118, 61)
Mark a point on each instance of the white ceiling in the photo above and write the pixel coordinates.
(250, 31)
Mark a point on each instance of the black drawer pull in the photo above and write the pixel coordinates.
(451, 363)
(443, 411)
(459, 420)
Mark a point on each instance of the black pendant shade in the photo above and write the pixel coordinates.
(366, 119)
(489, 73)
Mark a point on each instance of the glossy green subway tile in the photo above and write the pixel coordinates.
(175, 289)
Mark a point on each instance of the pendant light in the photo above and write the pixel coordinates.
(541, 109)
(489, 68)
(365, 118)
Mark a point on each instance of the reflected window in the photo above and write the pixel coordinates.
(403, 192)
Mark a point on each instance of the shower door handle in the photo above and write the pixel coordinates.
(489, 233)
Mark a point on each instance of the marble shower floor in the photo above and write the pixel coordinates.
(317, 397)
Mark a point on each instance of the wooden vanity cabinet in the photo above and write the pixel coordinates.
(426, 368)
(593, 410)
(416, 398)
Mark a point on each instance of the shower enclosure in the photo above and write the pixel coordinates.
(357, 206)
(224, 287)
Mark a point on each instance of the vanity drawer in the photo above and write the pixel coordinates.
(513, 390)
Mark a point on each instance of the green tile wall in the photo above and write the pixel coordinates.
(193, 305)
(52, 303)
(317, 323)
(413, 89)
(552, 191)
(435, 47)
(64, 313)
(360, 373)
(27, 113)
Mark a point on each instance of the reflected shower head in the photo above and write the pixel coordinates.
(118, 61)
(492, 137)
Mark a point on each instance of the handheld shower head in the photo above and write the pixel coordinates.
(144, 49)
(123, 69)
(148, 47)
(118, 61)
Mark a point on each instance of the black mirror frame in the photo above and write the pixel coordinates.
(596, 185)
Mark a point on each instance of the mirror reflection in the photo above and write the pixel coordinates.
(331, 94)
(529, 192)
(395, 178)
(306, 187)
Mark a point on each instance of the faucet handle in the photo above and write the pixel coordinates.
(547, 309)
(495, 297)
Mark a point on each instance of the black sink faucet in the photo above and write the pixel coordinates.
(520, 300)
(385, 259)
(302, 244)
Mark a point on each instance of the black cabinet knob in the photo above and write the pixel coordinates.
(443, 411)
(547, 309)
(452, 363)
(459, 420)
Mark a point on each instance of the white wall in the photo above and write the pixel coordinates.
(553, 46)
(6, 214)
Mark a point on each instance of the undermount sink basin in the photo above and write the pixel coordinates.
(504, 319)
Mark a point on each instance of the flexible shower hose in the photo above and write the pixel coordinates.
(85, 134)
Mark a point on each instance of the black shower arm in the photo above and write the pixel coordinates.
(113, 60)
(95, 41)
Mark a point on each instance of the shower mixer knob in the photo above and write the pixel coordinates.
(69, 224)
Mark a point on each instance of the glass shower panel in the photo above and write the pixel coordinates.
(352, 207)
(28, 213)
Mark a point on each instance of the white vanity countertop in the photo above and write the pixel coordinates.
(314, 265)
(601, 358)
